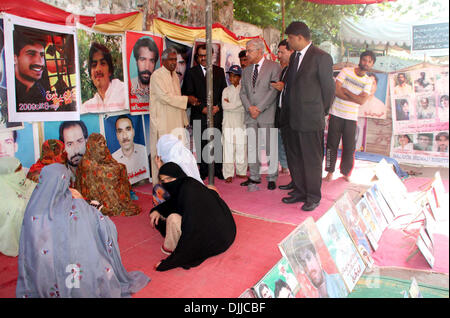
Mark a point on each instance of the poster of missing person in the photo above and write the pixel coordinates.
(143, 51)
(420, 111)
(5, 124)
(312, 263)
(375, 106)
(103, 71)
(41, 70)
(125, 137)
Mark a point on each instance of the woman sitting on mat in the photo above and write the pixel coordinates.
(53, 151)
(102, 179)
(171, 149)
(69, 248)
(195, 221)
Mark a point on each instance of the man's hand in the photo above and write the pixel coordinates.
(154, 218)
(278, 85)
(215, 109)
(193, 100)
(254, 111)
(158, 162)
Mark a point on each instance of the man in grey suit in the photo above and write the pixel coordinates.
(309, 93)
(259, 99)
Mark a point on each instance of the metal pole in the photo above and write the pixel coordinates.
(209, 84)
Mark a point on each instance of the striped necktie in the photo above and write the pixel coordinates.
(255, 74)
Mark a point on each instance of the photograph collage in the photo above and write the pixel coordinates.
(327, 258)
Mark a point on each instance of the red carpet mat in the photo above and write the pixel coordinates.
(266, 222)
(251, 256)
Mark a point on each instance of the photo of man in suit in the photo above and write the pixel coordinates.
(259, 99)
(309, 93)
(194, 85)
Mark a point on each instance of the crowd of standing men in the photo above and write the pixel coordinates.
(292, 98)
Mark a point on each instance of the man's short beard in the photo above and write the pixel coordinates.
(363, 68)
(144, 80)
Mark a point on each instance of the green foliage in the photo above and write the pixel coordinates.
(112, 42)
(323, 20)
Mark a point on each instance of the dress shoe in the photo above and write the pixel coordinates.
(310, 206)
(288, 186)
(292, 199)
(271, 185)
(249, 181)
(229, 180)
(293, 193)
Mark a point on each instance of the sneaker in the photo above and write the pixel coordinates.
(165, 250)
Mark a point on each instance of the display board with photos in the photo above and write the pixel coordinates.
(103, 71)
(279, 282)
(143, 56)
(420, 115)
(341, 247)
(336, 250)
(41, 70)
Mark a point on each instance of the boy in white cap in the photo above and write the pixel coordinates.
(233, 128)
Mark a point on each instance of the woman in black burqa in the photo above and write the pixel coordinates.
(207, 225)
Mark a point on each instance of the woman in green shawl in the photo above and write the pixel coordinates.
(15, 191)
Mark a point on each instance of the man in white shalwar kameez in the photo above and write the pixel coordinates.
(168, 106)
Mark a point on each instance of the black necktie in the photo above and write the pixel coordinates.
(255, 74)
(293, 67)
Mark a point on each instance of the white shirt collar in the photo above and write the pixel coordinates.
(260, 63)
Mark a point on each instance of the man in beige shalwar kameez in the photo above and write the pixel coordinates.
(168, 106)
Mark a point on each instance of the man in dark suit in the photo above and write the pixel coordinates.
(309, 93)
(194, 84)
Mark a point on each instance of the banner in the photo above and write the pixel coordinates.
(143, 53)
(420, 111)
(41, 70)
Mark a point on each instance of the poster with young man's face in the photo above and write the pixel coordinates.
(143, 58)
(102, 72)
(41, 70)
(125, 138)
